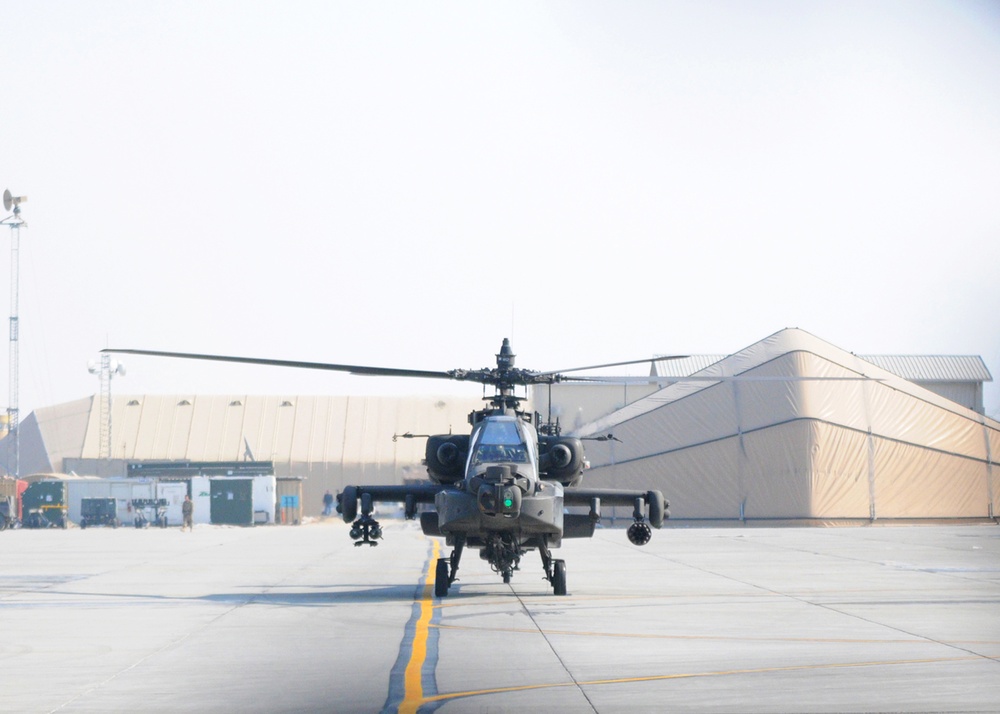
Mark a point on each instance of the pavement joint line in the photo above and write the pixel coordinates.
(805, 600)
(864, 644)
(915, 640)
(539, 630)
(693, 675)
(168, 645)
(250, 599)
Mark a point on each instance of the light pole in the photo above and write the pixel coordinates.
(14, 437)
(107, 369)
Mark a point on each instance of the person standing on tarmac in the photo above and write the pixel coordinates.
(327, 504)
(187, 510)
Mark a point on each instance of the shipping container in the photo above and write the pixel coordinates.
(124, 491)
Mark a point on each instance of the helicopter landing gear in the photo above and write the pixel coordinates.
(366, 530)
(446, 571)
(559, 577)
(441, 578)
(555, 570)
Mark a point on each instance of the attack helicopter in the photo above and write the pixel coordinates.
(503, 488)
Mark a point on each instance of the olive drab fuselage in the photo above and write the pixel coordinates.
(502, 490)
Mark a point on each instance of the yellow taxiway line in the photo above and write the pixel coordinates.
(414, 698)
(413, 693)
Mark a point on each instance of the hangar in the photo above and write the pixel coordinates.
(327, 441)
(808, 431)
(793, 427)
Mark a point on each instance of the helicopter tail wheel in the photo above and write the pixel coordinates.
(441, 581)
(639, 533)
(559, 577)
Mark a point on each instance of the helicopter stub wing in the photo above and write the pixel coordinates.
(347, 500)
(653, 500)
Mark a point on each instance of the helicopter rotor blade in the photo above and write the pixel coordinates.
(718, 378)
(350, 368)
(613, 364)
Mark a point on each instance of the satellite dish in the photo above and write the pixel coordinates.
(10, 201)
(92, 367)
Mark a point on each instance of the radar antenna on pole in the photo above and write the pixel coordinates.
(15, 222)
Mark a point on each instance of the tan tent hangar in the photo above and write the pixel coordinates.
(807, 431)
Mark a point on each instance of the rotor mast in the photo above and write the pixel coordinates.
(504, 383)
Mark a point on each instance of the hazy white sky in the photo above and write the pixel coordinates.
(404, 184)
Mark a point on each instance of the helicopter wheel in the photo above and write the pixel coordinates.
(559, 577)
(441, 578)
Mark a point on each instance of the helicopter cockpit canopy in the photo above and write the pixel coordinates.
(501, 441)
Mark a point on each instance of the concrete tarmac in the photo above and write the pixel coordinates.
(296, 619)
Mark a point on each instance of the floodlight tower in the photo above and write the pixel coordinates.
(107, 369)
(15, 222)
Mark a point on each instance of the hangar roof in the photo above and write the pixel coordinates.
(683, 367)
(301, 430)
(793, 340)
(933, 368)
(915, 368)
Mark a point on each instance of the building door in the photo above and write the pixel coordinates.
(232, 501)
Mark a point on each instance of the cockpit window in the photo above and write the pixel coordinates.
(501, 432)
(500, 453)
(500, 441)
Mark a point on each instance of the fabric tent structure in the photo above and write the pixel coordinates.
(793, 427)
(330, 441)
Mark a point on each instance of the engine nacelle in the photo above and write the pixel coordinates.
(560, 458)
(445, 456)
